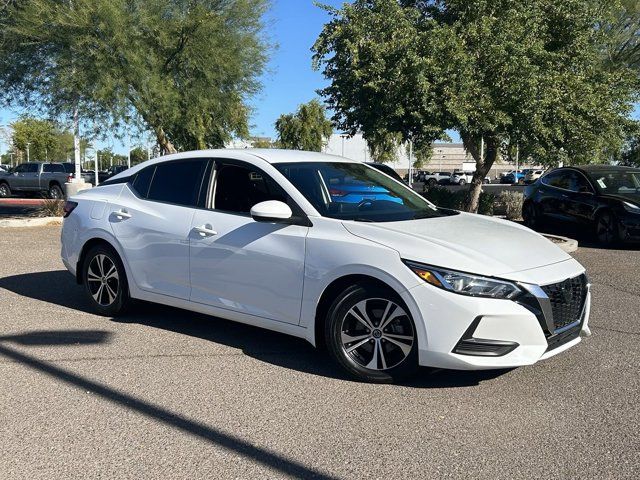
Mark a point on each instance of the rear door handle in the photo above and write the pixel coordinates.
(122, 214)
(205, 230)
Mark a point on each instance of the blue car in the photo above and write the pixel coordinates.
(513, 177)
(349, 190)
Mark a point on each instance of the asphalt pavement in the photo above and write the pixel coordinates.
(164, 393)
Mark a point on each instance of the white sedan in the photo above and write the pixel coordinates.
(329, 250)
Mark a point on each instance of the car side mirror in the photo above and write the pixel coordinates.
(271, 211)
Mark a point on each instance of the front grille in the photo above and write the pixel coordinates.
(567, 300)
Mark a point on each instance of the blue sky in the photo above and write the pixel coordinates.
(293, 25)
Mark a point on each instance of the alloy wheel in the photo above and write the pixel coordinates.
(4, 190)
(377, 334)
(55, 193)
(605, 229)
(103, 280)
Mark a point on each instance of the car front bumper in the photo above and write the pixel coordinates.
(472, 333)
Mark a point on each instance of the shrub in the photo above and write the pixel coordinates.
(512, 204)
(51, 208)
(445, 198)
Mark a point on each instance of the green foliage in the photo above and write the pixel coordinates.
(47, 140)
(511, 202)
(456, 199)
(181, 68)
(138, 155)
(383, 147)
(529, 72)
(307, 129)
(106, 158)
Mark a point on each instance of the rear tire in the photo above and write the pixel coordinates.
(5, 191)
(370, 334)
(105, 281)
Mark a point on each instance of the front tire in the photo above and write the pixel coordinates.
(462, 183)
(531, 216)
(5, 191)
(370, 334)
(105, 281)
(607, 230)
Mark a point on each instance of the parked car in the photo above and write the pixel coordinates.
(386, 169)
(255, 236)
(604, 198)
(110, 172)
(512, 177)
(462, 178)
(532, 175)
(4, 168)
(41, 177)
(436, 178)
(88, 176)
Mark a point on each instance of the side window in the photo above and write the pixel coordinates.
(31, 168)
(178, 182)
(558, 179)
(142, 181)
(69, 167)
(239, 188)
(52, 168)
(581, 184)
(20, 168)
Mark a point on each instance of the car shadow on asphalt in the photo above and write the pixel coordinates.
(59, 288)
(240, 447)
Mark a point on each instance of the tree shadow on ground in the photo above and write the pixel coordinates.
(59, 288)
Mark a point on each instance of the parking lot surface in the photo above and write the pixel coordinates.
(164, 393)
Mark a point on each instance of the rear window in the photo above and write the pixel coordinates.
(53, 168)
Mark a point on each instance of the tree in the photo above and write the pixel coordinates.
(47, 140)
(384, 146)
(181, 68)
(307, 129)
(526, 72)
(107, 158)
(138, 155)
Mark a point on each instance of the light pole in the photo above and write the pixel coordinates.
(28, 157)
(343, 136)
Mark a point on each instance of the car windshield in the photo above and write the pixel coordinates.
(354, 191)
(617, 181)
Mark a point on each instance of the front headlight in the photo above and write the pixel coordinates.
(630, 207)
(465, 283)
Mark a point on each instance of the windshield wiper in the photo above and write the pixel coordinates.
(360, 219)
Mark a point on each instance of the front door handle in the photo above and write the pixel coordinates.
(122, 214)
(205, 230)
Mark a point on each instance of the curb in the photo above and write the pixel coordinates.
(569, 245)
(30, 222)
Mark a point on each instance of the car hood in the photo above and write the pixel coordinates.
(464, 242)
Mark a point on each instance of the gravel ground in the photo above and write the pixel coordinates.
(164, 393)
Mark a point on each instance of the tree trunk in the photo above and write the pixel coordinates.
(483, 165)
(166, 147)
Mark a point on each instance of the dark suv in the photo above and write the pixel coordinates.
(604, 198)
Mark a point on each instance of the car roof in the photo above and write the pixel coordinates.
(601, 168)
(270, 155)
